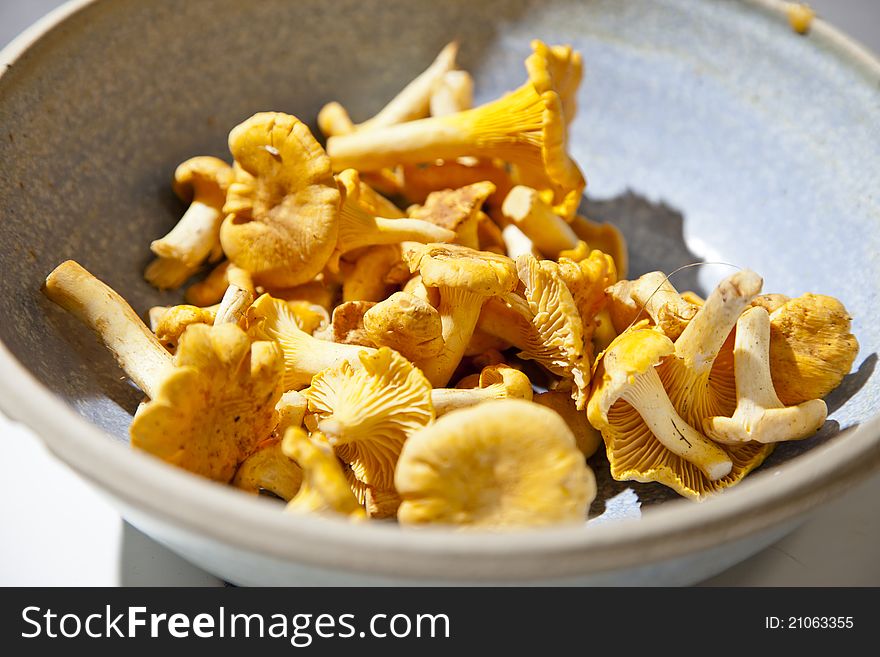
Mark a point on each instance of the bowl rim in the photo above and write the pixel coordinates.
(216, 512)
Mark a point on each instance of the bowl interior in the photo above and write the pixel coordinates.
(709, 132)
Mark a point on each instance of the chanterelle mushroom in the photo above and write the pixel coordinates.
(645, 437)
(324, 488)
(504, 463)
(527, 127)
(269, 469)
(556, 337)
(457, 210)
(99, 307)
(407, 324)
(172, 322)
(367, 413)
(495, 382)
(811, 347)
(359, 227)
(652, 296)
(698, 378)
(218, 402)
(203, 182)
(759, 414)
(209, 405)
(283, 206)
(605, 237)
(551, 234)
(411, 103)
(465, 278)
(304, 355)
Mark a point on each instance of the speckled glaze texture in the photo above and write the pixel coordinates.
(708, 131)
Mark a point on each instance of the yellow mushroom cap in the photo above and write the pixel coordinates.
(504, 463)
(217, 403)
(283, 206)
(632, 354)
(811, 347)
(556, 68)
(269, 469)
(406, 324)
(453, 266)
(367, 413)
(173, 322)
(456, 209)
(203, 178)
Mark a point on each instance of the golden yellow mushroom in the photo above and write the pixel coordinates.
(324, 488)
(170, 323)
(501, 464)
(606, 238)
(646, 439)
(375, 274)
(409, 325)
(209, 405)
(211, 289)
(367, 413)
(527, 127)
(550, 234)
(282, 209)
(759, 414)
(360, 227)
(811, 347)
(548, 328)
(456, 210)
(347, 324)
(269, 469)
(202, 182)
(304, 356)
(465, 279)
(651, 296)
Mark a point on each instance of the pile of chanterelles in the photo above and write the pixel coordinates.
(379, 318)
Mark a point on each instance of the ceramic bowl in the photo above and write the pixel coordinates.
(709, 132)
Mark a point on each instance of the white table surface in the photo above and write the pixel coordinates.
(57, 530)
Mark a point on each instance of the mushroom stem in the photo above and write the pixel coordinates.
(760, 415)
(705, 334)
(550, 233)
(414, 99)
(358, 229)
(233, 306)
(646, 394)
(661, 301)
(459, 311)
(454, 92)
(194, 238)
(445, 400)
(491, 130)
(304, 355)
(100, 308)
(517, 243)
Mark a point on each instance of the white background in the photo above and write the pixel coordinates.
(57, 530)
